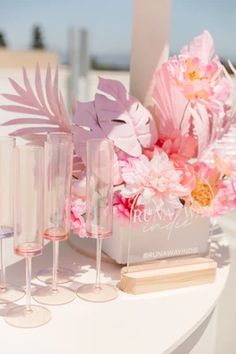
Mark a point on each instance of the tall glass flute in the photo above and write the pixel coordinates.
(99, 211)
(58, 170)
(8, 293)
(28, 228)
(60, 141)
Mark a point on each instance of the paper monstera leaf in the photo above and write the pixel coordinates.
(85, 126)
(117, 116)
(44, 105)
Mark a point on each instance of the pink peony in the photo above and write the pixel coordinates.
(78, 208)
(155, 181)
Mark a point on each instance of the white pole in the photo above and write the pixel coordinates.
(150, 47)
(79, 64)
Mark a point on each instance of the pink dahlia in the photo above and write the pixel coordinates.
(156, 182)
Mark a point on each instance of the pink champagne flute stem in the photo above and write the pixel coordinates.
(55, 265)
(98, 263)
(28, 263)
(3, 267)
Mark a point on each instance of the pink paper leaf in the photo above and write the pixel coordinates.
(85, 126)
(113, 88)
(33, 130)
(26, 121)
(33, 101)
(22, 109)
(17, 87)
(38, 87)
(170, 105)
(201, 127)
(123, 119)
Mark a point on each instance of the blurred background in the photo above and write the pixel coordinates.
(90, 38)
(93, 38)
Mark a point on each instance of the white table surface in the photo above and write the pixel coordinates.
(143, 324)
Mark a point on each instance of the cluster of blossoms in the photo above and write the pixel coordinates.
(161, 167)
(160, 151)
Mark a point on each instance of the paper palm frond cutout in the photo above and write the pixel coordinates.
(44, 104)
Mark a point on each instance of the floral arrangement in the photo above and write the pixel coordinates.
(159, 150)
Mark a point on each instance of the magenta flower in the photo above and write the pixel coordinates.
(122, 206)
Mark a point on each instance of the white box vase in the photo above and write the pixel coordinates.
(189, 236)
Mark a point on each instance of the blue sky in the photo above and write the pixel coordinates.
(109, 23)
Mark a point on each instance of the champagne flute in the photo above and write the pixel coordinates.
(64, 275)
(8, 292)
(58, 172)
(28, 228)
(99, 212)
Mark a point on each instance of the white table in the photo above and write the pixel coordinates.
(178, 321)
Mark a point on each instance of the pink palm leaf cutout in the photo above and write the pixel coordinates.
(45, 105)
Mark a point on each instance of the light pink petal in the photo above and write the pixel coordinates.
(201, 47)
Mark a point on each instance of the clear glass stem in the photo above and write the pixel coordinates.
(28, 261)
(98, 263)
(55, 265)
(3, 267)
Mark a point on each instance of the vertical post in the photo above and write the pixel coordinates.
(79, 63)
(150, 48)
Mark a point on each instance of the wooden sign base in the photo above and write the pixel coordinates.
(167, 274)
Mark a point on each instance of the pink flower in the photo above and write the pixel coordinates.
(177, 146)
(225, 199)
(188, 178)
(122, 206)
(212, 195)
(155, 182)
(120, 159)
(78, 208)
(192, 93)
(197, 79)
(225, 164)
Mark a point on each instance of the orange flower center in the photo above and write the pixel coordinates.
(193, 75)
(203, 194)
